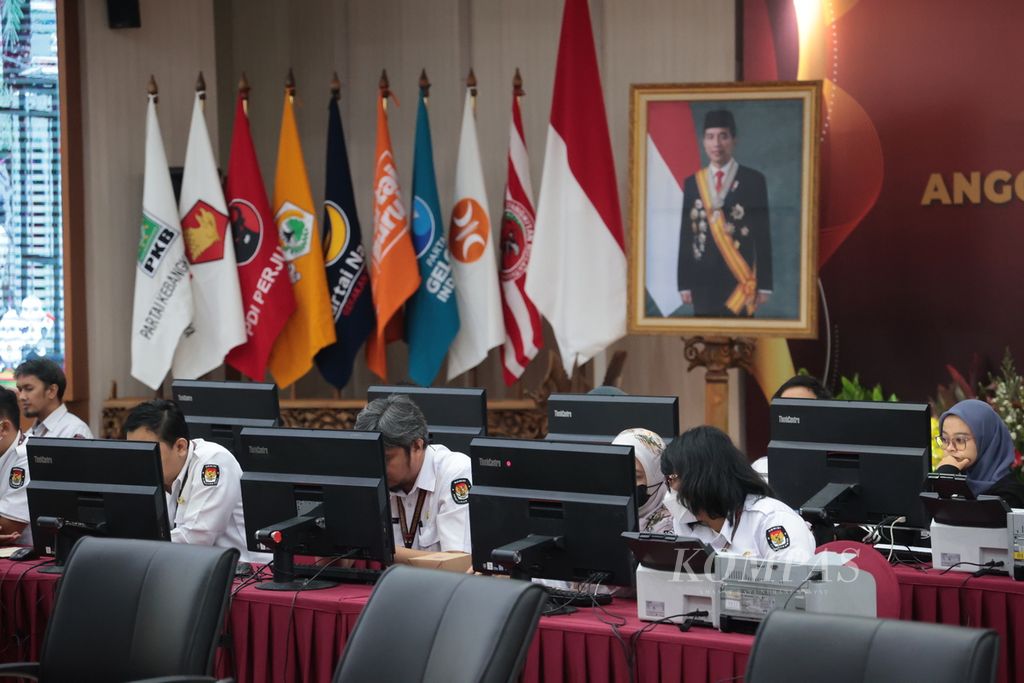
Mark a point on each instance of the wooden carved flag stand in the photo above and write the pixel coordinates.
(717, 355)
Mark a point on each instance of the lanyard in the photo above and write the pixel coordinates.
(409, 533)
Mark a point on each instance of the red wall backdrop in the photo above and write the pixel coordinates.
(913, 88)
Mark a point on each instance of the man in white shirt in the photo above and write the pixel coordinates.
(41, 384)
(429, 483)
(202, 479)
(14, 517)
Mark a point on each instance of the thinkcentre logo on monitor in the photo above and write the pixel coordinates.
(563, 413)
(789, 419)
(258, 450)
(184, 397)
(489, 462)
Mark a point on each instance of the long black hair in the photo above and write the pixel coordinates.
(807, 382)
(714, 476)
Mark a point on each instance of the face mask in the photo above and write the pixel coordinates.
(642, 495)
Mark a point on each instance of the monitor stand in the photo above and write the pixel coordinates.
(284, 538)
(820, 506)
(524, 560)
(65, 537)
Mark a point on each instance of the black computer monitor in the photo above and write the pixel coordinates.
(454, 416)
(216, 411)
(600, 418)
(550, 510)
(94, 487)
(859, 462)
(315, 492)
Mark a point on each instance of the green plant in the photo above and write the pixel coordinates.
(852, 390)
(1005, 393)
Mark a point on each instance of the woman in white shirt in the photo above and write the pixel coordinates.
(718, 498)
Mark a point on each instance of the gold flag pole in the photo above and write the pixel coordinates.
(517, 87)
(201, 90)
(336, 87)
(385, 90)
(243, 90)
(425, 87)
(289, 86)
(471, 84)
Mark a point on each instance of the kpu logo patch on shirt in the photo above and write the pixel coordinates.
(211, 475)
(460, 490)
(17, 477)
(778, 539)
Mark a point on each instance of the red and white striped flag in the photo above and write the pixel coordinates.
(523, 335)
(577, 272)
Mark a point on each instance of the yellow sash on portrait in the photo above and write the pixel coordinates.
(745, 294)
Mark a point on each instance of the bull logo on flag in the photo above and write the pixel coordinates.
(246, 229)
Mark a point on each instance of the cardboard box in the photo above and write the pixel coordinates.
(449, 562)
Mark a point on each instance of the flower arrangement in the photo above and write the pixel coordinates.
(1005, 393)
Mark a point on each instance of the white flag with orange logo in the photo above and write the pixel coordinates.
(473, 262)
(218, 323)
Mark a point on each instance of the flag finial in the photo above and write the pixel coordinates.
(517, 84)
(243, 86)
(424, 84)
(151, 88)
(471, 82)
(385, 90)
(289, 83)
(335, 86)
(201, 83)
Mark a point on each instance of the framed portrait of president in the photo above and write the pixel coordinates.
(724, 209)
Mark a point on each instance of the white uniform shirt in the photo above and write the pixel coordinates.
(13, 482)
(204, 505)
(767, 528)
(444, 520)
(61, 424)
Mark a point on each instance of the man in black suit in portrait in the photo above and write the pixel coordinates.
(725, 250)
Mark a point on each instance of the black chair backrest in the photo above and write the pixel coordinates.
(796, 646)
(130, 609)
(435, 626)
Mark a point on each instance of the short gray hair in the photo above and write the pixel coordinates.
(397, 418)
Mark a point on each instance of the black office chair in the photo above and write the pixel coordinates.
(796, 646)
(442, 627)
(131, 610)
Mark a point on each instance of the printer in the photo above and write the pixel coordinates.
(681, 579)
(968, 533)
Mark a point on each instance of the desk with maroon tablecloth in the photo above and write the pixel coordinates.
(299, 637)
(280, 636)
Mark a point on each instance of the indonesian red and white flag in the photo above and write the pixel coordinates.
(523, 333)
(473, 263)
(577, 271)
(218, 323)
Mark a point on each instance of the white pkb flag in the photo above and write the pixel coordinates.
(163, 298)
(473, 262)
(218, 324)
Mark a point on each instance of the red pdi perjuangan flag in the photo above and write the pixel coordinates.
(523, 333)
(577, 271)
(267, 297)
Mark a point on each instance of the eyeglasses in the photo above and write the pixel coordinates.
(957, 443)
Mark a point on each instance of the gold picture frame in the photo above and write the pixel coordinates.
(746, 252)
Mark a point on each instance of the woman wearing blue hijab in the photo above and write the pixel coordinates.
(977, 443)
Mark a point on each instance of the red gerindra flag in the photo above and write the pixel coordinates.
(523, 334)
(267, 297)
(577, 271)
